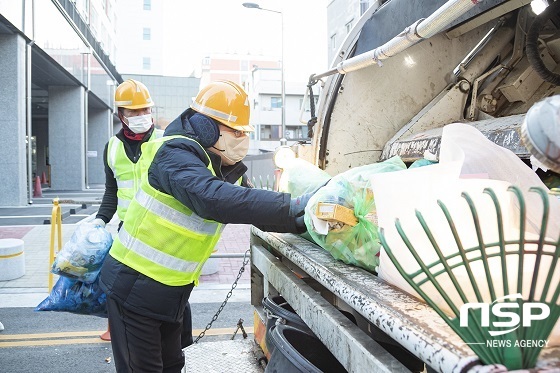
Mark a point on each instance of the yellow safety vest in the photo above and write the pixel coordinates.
(162, 238)
(127, 173)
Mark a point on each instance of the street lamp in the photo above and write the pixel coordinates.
(282, 88)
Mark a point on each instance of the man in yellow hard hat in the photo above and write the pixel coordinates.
(123, 151)
(175, 220)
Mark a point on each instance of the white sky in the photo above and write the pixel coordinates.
(195, 29)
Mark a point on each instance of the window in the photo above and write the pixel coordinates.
(270, 132)
(348, 27)
(295, 133)
(146, 64)
(333, 41)
(147, 33)
(147, 4)
(364, 5)
(276, 102)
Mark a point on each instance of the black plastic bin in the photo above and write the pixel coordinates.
(296, 351)
(278, 309)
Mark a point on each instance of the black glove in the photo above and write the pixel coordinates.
(297, 211)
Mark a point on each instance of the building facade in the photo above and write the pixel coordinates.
(235, 67)
(57, 81)
(140, 37)
(265, 94)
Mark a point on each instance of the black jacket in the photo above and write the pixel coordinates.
(180, 169)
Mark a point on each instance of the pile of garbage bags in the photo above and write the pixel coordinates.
(78, 265)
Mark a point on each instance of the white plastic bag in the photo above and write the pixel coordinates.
(82, 256)
(464, 152)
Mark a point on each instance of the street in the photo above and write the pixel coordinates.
(60, 342)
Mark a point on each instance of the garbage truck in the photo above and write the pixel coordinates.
(404, 72)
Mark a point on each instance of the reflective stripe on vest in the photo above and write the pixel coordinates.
(125, 183)
(191, 222)
(162, 238)
(155, 255)
(127, 173)
(123, 204)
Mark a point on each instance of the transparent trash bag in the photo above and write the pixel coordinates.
(82, 256)
(357, 245)
(69, 295)
(300, 177)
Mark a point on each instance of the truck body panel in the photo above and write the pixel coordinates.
(376, 104)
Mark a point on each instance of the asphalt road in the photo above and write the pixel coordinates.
(60, 342)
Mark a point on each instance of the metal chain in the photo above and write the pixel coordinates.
(233, 286)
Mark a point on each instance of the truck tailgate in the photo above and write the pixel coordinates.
(408, 321)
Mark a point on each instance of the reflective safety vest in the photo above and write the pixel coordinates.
(162, 238)
(127, 173)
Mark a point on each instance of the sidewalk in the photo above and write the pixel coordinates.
(30, 289)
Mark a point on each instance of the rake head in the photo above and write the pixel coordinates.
(500, 295)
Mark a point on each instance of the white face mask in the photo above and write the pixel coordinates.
(231, 148)
(139, 124)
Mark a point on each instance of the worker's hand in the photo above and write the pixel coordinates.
(98, 223)
(297, 210)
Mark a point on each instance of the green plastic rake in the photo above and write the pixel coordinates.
(521, 277)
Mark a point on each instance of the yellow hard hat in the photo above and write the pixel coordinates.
(131, 94)
(225, 102)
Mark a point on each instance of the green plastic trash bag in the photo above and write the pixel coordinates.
(357, 245)
(421, 163)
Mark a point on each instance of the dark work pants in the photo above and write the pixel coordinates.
(186, 332)
(143, 344)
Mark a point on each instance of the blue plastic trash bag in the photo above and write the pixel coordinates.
(74, 296)
(82, 256)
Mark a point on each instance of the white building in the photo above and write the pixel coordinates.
(141, 30)
(140, 37)
(266, 110)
